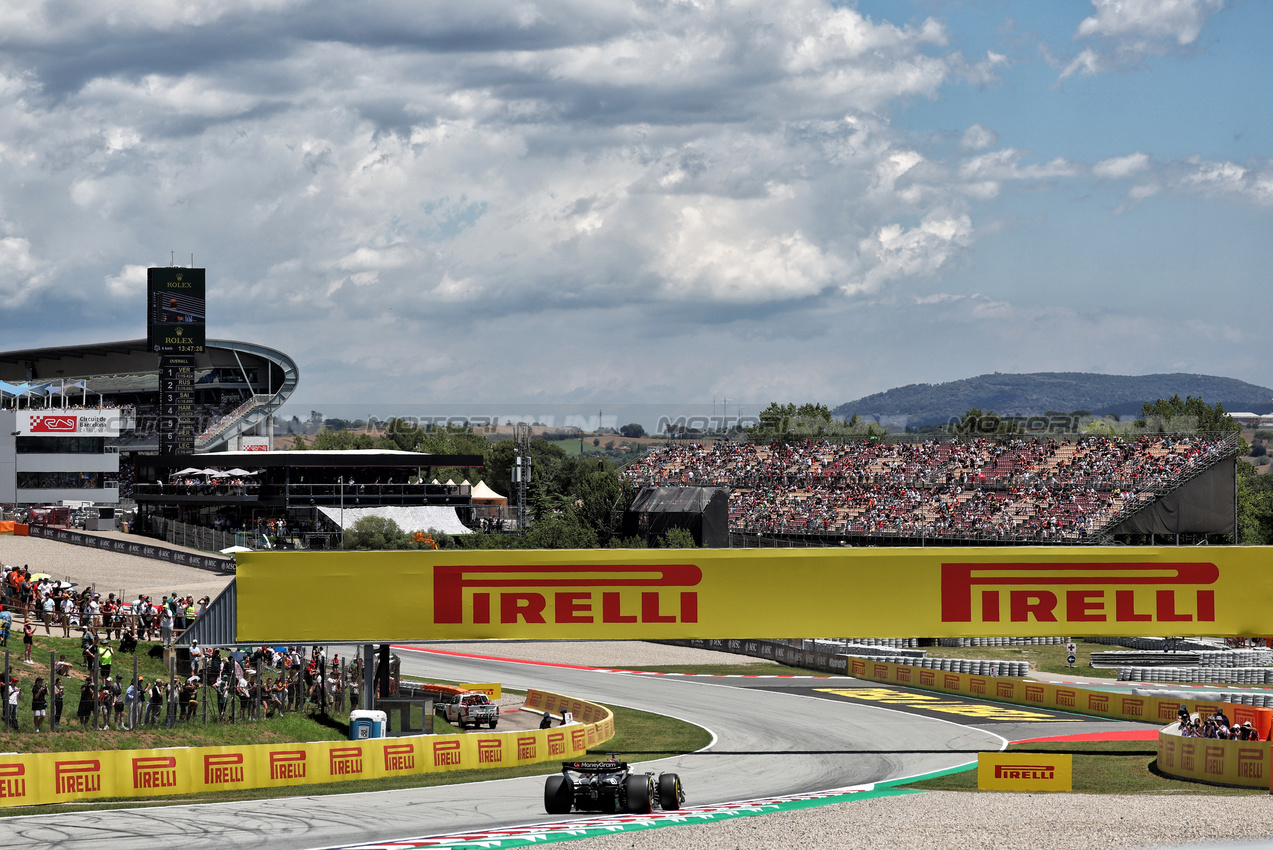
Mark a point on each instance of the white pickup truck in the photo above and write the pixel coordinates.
(470, 709)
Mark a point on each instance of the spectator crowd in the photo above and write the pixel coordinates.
(998, 488)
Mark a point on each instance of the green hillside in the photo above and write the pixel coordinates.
(1037, 393)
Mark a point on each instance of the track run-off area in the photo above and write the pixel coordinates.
(777, 742)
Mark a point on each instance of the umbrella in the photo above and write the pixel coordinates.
(233, 549)
(189, 470)
(241, 472)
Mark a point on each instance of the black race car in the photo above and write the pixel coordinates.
(610, 786)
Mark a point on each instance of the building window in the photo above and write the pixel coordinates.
(65, 480)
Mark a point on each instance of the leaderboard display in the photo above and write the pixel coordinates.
(175, 321)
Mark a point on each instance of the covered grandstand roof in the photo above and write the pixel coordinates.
(277, 379)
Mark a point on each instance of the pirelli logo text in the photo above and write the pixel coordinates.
(977, 687)
(490, 751)
(287, 764)
(77, 777)
(447, 754)
(904, 675)
(13, 780)
(222, 768)
(1186, 757)
(526, 749)
(1134, 706)
(151, 773)
(345, 761)
(1213, 761)
(399, 757)
(556, 743)
(1078, 593)
(1251, 763)
(1066, 697)
(927, 677)
(1098, 702)
(1034, 693)
(1005, 690)
(1025, 771)
(603, 593)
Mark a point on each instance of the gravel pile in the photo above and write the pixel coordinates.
(109, 571)
(597, 653)
(948, 819)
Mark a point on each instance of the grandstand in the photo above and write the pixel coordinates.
(981, 490)
(238, 386)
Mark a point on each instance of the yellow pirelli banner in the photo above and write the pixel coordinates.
(1017, 771)
(724, 593)
(1241, 763)
(40, 778)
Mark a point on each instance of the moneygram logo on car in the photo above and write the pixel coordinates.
(593, 593)
(1078, 593)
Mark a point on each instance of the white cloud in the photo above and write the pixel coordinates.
(1180, 21)
(1128, 30)
(895, 252)
(978, 138)
(129, 283)
(1119, 168)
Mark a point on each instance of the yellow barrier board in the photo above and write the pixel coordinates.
(1242, 763)
(1025, 772)
(696, 593)
(39, 778)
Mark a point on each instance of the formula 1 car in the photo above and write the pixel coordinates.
(610, 786)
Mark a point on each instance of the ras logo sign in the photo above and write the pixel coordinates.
(604, 593)
(1078, 593)
(54, 424)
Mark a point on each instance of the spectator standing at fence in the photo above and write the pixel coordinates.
(6, 623)
(49, 607)
(11, 704)
(88, 698)
(165, 625)
(59, 701)
(39, 702)
(132, 701)
(155, 706)
(28, 641)
(105, 659)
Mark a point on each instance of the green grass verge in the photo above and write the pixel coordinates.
(1100, 767)
(639, 736)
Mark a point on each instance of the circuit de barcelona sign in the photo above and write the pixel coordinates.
(722, 593)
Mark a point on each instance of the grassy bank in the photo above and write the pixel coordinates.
(72, 736)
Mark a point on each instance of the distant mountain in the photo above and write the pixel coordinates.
(1037, 393)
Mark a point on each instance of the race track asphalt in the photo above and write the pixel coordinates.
(772, 737)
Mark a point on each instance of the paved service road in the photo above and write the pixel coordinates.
(769, 741)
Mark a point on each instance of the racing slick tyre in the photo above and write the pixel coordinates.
(670, 793)
(492, 723)
(640, 793)
(559, 795)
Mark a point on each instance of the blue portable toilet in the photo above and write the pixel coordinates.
(367, 724)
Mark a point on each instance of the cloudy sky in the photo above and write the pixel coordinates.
(648, 202)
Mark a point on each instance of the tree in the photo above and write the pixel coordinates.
(1193, 414)
(376, 533)
(633, 431)
(1255, 505)
(299, 444)
(678, 538)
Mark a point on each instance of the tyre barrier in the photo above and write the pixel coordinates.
(1003, 641)
(1211, 658)
(1255, 676)
(1005, 669)
(40, 778)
